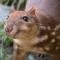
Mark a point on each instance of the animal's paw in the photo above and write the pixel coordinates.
(38, 56)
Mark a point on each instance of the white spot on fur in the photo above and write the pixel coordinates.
(58, 37)
(49, 28)
(57, 47)
(47, 48)
(57, 27)
(43, 27)
(52, 40)
(45, 37)
(53, 33)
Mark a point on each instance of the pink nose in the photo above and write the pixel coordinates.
(8, 29)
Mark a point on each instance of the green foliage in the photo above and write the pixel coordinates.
(18, 4)
(7, 40)
(1, 25)
(22, 4)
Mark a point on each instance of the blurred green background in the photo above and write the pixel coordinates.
(6, 44)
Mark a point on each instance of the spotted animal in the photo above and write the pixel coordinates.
(33, 31)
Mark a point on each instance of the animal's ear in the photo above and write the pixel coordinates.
(32, 11)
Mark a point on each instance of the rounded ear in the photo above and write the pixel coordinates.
(32, 11)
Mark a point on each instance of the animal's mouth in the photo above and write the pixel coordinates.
(11, 32)
(16, 33)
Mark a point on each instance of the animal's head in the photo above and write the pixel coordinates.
(26, 24)
(21, 25)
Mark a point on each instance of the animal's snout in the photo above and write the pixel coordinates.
(8, 29)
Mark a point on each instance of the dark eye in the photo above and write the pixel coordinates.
(25, 18)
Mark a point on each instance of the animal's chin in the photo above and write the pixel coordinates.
(18, 35)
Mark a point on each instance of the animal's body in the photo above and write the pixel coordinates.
(33, 30)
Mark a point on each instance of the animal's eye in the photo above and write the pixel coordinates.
(25, 18)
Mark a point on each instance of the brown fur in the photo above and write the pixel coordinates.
(39, 34)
